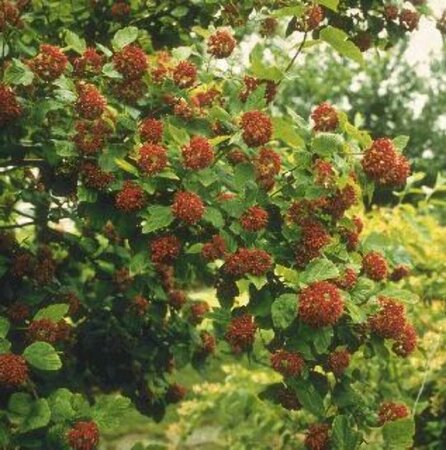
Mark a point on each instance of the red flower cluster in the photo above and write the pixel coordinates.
(251, 84)
(90, 63)
(131, 62)
(9, 14)
(221, 44)
(391, 12)
(205, 98)
(182, 109)
(301, 211)
(237, 156)
(10, 109)
(341, 201)
(165, 249)
(46, 330)
(151, 130)
(399, 272)
(323, 173)
(83, 436)
(318, 437)
(152, 158)
(130, 198)
(208, 344)
(363, 40)
(241, 333)
(198, 154)
(91, 137)
(139, 305)
(384, 165)
(286, 363)
(257, 128)
(175, 393)
(13, 370)
(50, 63)
(320, 304)
(120, 9)
(288, 399)
(18, 312)
(188, 207)
(314, 238)
(390, 320)
(176, 299)
(214, 249)
(391, 411)
(45, 267)
(185, 74)
(129, 91)
(122, 278)
(94, 177)
(338, 361)
(197, 312)
(267, 166)
(248, 261)
(406, 342)
(90, 103)
(348, 280)
(409, 19)
(374, 266)
(352, 236)
(268, 26)
(254, 218)
(325, 117)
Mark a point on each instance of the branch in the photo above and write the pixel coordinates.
(298, 51)
(16, 225)
(23, 162)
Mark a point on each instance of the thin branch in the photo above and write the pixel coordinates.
(16, 225)
(23, 163)
(298, 51)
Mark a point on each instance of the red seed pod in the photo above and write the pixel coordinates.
(90, 63)
(84, 435)
(314, 235)
(22, 264)
(237, 156)
(312, 17)
(13, 370)
(268, 26)
(241, 333)
(267, 166)
(288, 399)
(122, 278)
(90, 103)
(90, 137)
(348, 280)
(325, 117)
(390, 320)
(152, 158)
(185, 74)
(46, 330)
(176, 299)
(406, 343)
(399, 272)
(94, 177)
(183, 109)
(165, 249)
(302, 211)
(198, 154)
(363, 41)
(251, 84)
(9, 15)
(151, 130)
(247, 261)
(317, 437)
(338, 361)
(130, 198)
(130, 91)
(50, 63)
(341, 201)
(131, 62)
(175, 393)
(120, 9)
(391, 411)
(139, 305)
(257, 128)
(188, 207)
(324, 174)
(45, 268)
(205, 98)
(214, 249)
(221, 44)
(375, 266)
(409, 19)
(254, 218)
(10, 109)
(208, 344)
(197, 312)
(287, 363)
(18, 312)
(320, 304)
(391, 12)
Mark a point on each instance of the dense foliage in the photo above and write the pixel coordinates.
(132, 175)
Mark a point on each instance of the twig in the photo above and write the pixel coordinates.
(298, 51)
(16, 225)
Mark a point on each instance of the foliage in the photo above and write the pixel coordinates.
(130, 174)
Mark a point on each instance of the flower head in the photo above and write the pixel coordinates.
(131, 197)
(287, 363)
(165, 249)
(221, 44)
(325, 117)
(10, 109)
(391, 411)
(131, 62)
(152, 158)
(375, 266)
(254, 218)
(241, 333)
(198, 154)
(257, 128)
(151, 130)
(13, 370)
(188, 207)
(84, 435)
(50, 63)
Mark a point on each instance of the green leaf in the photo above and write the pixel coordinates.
(109, 71)
(5, 346)
(75, 42)
(338, 39)
(18, 73)
(331, 4)
(399, 434)
(42, 356)
(124, 165)
(260, 69)
(60, 403)
(4, 327)
(179, 135)
(283, 130)
(321, 339)
(124, 37)
(53, 312)
(139, 263)
(195, 248)
(327, 144)
(319, 270)
(179, 11)
(400, 294)
(158, 217)
(28, 413)
(343, 436)
(308, 396)
(242, 174)
(289, 11)
(400, 142)
(109, 410)
(214, 216)
(284, 310)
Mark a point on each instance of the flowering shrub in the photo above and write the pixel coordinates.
(166, 173)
